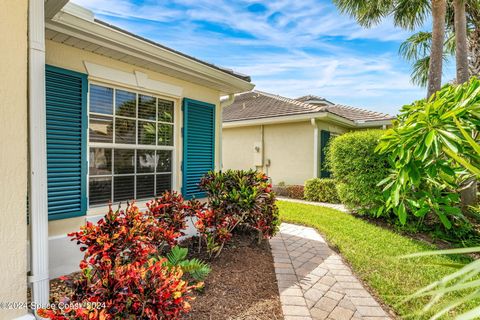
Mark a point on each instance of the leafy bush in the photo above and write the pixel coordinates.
(435, 148)
(123, 269)
(357, 168)
(235, 197)
(295, 191)
(290, 191)
(321, 190)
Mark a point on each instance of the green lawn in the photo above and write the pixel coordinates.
(373, 253)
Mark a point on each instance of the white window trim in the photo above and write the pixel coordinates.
(136, 79)
(141, 203)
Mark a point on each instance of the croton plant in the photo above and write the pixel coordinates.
(132, 268)
(236, 197)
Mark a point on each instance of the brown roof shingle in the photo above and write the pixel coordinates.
(257, 105)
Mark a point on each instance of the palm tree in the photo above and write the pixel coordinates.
(461, 48)
(406, 14)
(416, 48)
(439, 11)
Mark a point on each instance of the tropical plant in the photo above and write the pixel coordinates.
(235, 197)
(464, 279)
(123, 270)
(409, 15)
(197, 269)
(416, 49)
(322, 190)
(357, 169)
(434, 149)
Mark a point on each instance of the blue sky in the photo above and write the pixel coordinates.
(289, 47)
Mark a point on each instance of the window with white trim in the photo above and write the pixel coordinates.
(131, 145)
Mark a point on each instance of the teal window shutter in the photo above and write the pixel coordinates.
(324, 138)
(198, 145)
(66, 114)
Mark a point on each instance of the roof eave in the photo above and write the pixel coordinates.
(69, 22)
(333, 118)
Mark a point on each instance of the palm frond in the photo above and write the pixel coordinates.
(410, 14)
(198, 269)
(367, 13)
(417, 46)
(177, 255)
(419, 73)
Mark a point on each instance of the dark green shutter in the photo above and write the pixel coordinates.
(198, 145)
(66, 101)
(324, 138)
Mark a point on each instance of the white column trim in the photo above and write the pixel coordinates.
(223, 104)
(38, 154)
(315, 148)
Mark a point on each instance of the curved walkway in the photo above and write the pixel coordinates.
(314, 282)
(339, 207)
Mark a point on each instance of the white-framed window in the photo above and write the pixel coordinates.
(131, 144)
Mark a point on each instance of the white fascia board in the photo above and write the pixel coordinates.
(326, 116)
(73, 25)
(291, 118)
(374, 124)
(52, 7)
(136, 79)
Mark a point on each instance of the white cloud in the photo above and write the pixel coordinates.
(290, 50)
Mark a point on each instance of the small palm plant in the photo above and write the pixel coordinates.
(197, 269)
(465, 279)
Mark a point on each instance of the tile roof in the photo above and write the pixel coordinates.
(311, 97)
(257, 105)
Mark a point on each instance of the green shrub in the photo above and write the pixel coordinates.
(321, 190)
(235, 198)
(358, 169)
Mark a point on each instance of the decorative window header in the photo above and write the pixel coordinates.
(136, 79)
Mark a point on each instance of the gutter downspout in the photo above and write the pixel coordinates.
(315, 147)
(223, 104)
(39, 277)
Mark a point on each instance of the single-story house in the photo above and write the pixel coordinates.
(286, 138)
(91, 114)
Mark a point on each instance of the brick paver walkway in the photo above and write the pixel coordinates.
(313, 281)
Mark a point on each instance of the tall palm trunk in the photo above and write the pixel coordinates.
(474, 52)
(468, 193)
(461, 48)
(439, 8)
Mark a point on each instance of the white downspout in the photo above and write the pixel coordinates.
(223, 104)
(315, 147)
(38, 213)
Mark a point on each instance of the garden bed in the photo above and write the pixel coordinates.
(241, 285)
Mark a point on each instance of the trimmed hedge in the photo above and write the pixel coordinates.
(358, 169)
(321, 190)
(292, 191)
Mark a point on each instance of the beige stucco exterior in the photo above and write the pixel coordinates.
(13, 158)
(287, 147)
(67, 57)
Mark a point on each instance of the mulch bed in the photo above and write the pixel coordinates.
(242, 284)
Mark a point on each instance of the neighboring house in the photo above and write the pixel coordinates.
(286, 138)
(108, 116)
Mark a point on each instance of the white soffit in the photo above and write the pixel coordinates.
(135, 79)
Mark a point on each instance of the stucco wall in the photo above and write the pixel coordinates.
(238, 147)
(289, 147)
(13, 158)
(71, 58)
